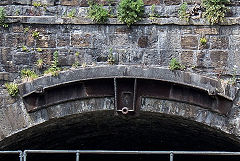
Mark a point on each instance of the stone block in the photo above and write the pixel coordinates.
(69, 2)
(151, 2)
(83, 3)
(187, 58)
(17, 29)
(22, 2)
(4, 2)
(81, 40)
(45, 2)
(2, 40)
(29, 40)
(192, 1)
(46, 41)
(172, 2)
(219, 42)
(143, 42)
(21, 59)
(189, 42)
(219, 58)
(119, 40)
(5, 56)
(4, 76)
(15, 40)
(63, 40)
(207, 31)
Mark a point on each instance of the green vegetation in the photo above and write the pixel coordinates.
(39, 49)
(72, 13)
(110, 57)
(175, 65)
(182, 13)
(153, 13)
(39, 63)
(37, 4)
(97, 13)
(54, 69)
(3, 17)
(215, 10)
(35, 34)
(203, 41)
(130, 11)
(24, 48)
(12, 89)
(76, 63)
(28, 74)
(26, 29)
(233, 80)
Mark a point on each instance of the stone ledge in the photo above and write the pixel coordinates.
(113, 21)
(212, 86)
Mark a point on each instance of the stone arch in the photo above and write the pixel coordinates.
(95, 94)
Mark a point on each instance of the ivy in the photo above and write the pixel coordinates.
(130, 11)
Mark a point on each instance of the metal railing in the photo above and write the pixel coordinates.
(23, 154)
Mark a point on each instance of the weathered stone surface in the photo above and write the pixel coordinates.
(143, 42)
(63, 40)
(45, 2)
(187, 58)
(81, 40)
(21, 59)
(219, 58)
(219, 42)
(207, 31)
(22, 2)
(151, 2)
(15, 40)
(69, 2)
(4, 76)
(189, 42)
(18, 29)
(46, 41)
(2, 42)
(172, 2)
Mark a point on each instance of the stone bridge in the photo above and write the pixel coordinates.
(122, 107)
(137, 103)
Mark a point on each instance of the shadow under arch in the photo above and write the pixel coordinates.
(102, 130)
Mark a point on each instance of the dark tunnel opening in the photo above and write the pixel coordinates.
(103, 130)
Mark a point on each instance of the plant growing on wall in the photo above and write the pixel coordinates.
(110, 59)
(40, 63)
(54, 69)
(203, 41)
(3, 17)
(37, 4)
(28, 74)
(215, 10)
(130, 11)
(72, 13)
(153, 14)
(175, 65)
(183, 13)
(35, 34)
(12, 89)
(97, 13)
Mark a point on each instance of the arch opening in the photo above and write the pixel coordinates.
(102, 130)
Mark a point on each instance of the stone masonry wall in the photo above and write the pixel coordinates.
(151, 42)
